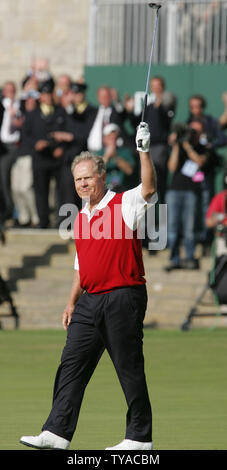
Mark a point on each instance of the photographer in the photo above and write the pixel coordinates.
(186, 162)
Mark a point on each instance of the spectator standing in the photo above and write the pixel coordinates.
(105, 114)
(186, 162)
(62, 85)
(214, 138)
(10, 137)
(74, 140)
(79, 108)
(22, 184)
(47, 152)
(159, 115)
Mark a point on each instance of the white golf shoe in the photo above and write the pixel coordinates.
(45, 440)
(128, 444)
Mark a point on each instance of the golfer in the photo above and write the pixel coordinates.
(107, 303)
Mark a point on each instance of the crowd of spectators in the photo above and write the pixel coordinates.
(49, 121)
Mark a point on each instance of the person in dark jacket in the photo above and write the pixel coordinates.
(103, 115)
(159, 115)
(212, 128)
(47, 152)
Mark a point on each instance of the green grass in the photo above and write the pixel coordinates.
(187, 380)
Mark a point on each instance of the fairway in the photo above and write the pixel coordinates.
(187, 380)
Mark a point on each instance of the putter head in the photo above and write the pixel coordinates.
(155, 6)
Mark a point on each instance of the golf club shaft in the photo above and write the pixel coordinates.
(149, 71)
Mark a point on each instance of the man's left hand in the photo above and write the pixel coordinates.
(143, 136)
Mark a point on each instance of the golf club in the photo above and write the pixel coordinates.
(154, 6)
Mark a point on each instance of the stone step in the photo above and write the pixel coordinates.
(31, 286)
(36, 236)
(40, 266)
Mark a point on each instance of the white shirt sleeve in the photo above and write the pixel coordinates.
(134, 206)
(76, 263)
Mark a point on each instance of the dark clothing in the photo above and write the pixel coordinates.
(68, 194)
(43, 170)
(181, 182)
(88, 116)
(113, 321)
(112, 117)
(78, 144)
(6, 162)
(212, 129)
(85, 118)
(159, 121)
(7, 158)
(38, 126)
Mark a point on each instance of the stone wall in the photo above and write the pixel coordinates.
(55, 29)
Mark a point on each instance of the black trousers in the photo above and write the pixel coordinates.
(113, 321)
(44, 168)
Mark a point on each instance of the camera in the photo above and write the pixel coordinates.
(184, 133)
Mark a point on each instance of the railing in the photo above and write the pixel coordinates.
(193, 31)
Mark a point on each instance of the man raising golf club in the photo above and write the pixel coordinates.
(107, 303)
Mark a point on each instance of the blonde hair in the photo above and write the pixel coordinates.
(98, 161)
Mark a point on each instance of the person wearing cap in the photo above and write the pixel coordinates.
(107, 303)
(119, 160)
(81, 110)
(47, 151)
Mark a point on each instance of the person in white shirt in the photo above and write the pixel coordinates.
(106, 113)
(10, 136)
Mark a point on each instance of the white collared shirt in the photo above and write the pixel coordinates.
(95, 137)
(8, 137)
(133, 208)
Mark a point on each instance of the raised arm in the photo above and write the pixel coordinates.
(148, 173)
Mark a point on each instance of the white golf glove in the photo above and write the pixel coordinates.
(143, 137)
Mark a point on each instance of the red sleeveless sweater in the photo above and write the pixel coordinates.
(109, 253)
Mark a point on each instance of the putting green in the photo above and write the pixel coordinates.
(187, 380)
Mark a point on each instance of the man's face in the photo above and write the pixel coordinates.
(196, 107)
(110, 139)
(79, 98)
(9, 91)
(104, 97)
(46, 98)
(88, 183)
(156, 86)
(63, 82)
